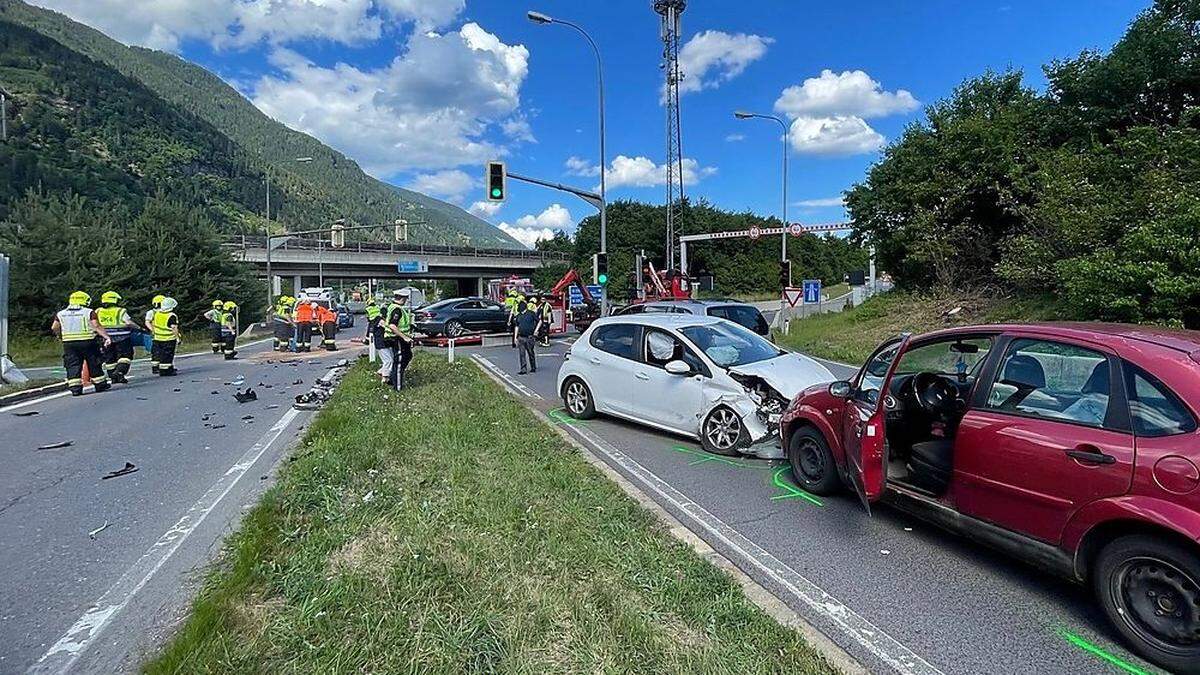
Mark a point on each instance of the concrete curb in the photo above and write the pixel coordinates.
(27, 394)
(755, 592)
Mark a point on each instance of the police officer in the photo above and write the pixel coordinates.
(215, 316)
(165, 331)
(116, 322)
(373, 315)
(525, 331)
(229, 326)
(78, 327)
(398, 322)
(281, 321)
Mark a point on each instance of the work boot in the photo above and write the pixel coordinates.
(103, 386)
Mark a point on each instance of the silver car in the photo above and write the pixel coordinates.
(699, 376)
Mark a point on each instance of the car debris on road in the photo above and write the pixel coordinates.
(124, 471)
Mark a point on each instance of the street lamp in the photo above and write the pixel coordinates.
(542, 20)
(744, 115)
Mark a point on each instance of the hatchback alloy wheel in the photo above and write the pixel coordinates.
(723, 432)
(577, 398)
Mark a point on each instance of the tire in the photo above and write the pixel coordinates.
(723, 432)
(813, 467)
(577, 399)
(454, 328)
(1149, 587)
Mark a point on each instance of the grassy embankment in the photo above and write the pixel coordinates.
(445, 529)
(852, 335)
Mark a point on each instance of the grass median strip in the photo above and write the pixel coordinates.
(445, 529)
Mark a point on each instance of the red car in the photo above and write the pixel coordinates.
(1072, 446)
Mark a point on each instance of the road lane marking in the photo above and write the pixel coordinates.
(67, 650)
(508, 379)
(54, 370)
(852, 625)
(35, 401)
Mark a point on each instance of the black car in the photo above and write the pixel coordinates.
(458, 316)
(741, 313)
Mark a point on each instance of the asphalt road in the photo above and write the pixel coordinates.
(100, 602)
(894, 592)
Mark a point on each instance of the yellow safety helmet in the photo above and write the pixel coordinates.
(80, 299)
(370, 299)
(217, 304)
(156, 301)
(230, 305)
(110, 297)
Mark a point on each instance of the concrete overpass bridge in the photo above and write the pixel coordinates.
(306, 261)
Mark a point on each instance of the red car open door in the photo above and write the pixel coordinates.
(863, 435)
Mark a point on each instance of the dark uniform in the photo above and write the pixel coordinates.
(80, 346)
(162, 330)
(282, 323)
(229, 331)
(527, 324)
(214, 325)
(399, 316)
(118, 355)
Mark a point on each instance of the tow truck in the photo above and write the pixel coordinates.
(579, 316)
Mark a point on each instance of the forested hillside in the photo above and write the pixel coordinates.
(332, 186)
(1089, 191)
(739, 266)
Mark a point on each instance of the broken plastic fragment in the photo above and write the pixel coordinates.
(27, 413)
(127, 469)
(98, 530)
(55, 446)
(244, 396)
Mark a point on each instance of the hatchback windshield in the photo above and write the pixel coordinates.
(729, 344)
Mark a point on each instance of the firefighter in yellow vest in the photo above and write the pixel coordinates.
(229, 327)
(547, 316)
(165, 331)
(155, 303)
(281, 320)
(116, 322)
(214, 316)
(80, 331)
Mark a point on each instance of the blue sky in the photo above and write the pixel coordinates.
(422, 92)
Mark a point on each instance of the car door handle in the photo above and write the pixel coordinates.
(1091, 454)
(642, 376)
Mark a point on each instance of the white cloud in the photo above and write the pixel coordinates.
(849, 93)
(833, 136)
(518, 129)
(713, 57)
(639, 171)
(451, 184)
(735, 138)
(428, 109)
(529, 229)
(484, 209)
(821, 202)
(164, 24)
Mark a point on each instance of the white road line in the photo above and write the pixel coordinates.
(63, 655)
(35, 401)
(853, 625)
(508, 379)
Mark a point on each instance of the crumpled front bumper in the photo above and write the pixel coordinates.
(763, 429)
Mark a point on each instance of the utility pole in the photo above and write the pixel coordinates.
(3, 117)
(669, 12)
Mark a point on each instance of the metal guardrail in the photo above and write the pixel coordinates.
(245, 242)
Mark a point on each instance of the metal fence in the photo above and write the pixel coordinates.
(244, 242)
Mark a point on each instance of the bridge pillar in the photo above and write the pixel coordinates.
(297, 284)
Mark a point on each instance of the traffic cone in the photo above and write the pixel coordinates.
(86, 375)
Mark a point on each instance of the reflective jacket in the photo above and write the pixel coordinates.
(76, 324)
(115, 321)
(161, 328)
(403, 321)
(305, 313)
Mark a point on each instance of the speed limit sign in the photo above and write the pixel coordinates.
(755, 232)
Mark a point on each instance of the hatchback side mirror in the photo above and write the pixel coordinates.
(678, 367)
(840, 389)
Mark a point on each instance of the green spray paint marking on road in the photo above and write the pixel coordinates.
(558, 415)
(1101, 653)
(791, 491)
(706, 457)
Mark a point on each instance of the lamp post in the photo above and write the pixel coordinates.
(270, 279)
(743, 115)
(543, 19)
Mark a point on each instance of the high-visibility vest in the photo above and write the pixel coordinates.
(404, 323)
(114, 320)
(162, 332)
(304, 313)
(76, 324)
(373, 312)
(281, 312)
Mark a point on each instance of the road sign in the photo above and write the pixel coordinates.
(412, 266)
(795, 229)
(812, 291)
(575, 296)
(755, 232)
(792, 296)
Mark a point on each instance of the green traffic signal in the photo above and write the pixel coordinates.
(496, 192)
(603, 279)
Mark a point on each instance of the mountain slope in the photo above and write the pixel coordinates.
(303, 194)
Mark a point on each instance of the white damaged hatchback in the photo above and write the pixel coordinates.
(698, 376)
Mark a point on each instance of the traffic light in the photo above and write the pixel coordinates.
(496, 179)
(600, 268)
(785, 273)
